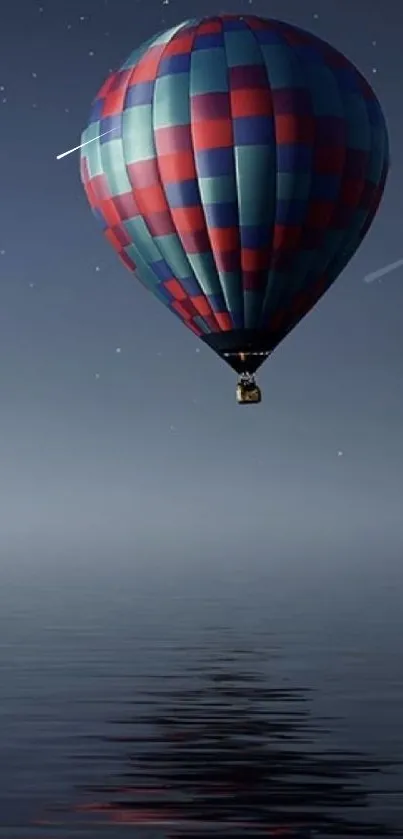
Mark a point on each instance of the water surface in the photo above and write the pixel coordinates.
(224, 700)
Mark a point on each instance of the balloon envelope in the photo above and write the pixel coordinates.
(246, 162)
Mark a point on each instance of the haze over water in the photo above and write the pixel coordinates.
(225, 693)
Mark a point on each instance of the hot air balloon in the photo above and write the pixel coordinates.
(244, 164)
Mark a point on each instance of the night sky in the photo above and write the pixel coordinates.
(120, 431)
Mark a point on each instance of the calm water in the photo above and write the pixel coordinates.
(226, 701)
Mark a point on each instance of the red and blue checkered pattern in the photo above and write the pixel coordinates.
(245, 162)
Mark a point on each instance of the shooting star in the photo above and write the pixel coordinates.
(376, 275)
(76, 148)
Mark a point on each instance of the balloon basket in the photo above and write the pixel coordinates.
(247, 391)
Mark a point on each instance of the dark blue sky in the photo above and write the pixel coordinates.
(119, 429)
